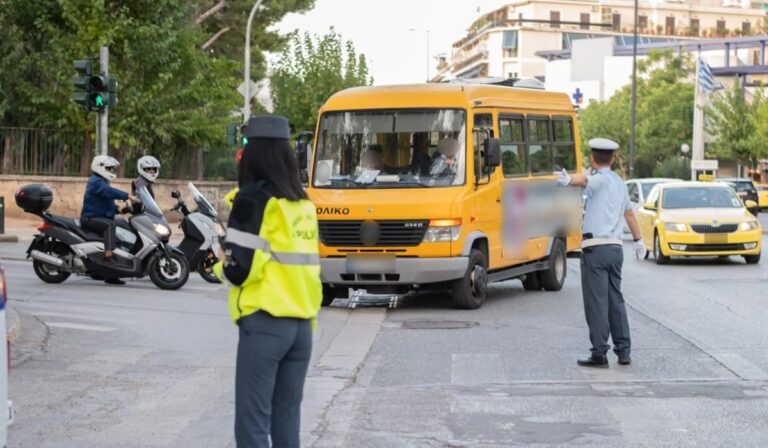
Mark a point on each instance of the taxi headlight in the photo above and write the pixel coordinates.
(675, 227)
(219, 229)
(749, 225)
(442, 230)
(162, 230)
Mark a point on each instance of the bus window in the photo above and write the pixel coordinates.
(512, 146)
(539, 145)
(565, 148)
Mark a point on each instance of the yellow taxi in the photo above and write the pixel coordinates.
(762, 194)
(699, 219)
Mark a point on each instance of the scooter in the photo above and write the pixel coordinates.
(63, 247)
(202, 231)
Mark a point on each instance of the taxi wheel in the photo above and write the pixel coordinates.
(553, 278)
(469, 291)
(657, 254)
(752, 259)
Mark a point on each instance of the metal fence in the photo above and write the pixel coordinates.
(43, 152)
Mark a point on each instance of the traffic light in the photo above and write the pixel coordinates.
(93, 91)
(232, 134)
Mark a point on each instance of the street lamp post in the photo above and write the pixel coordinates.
(427, 31)
(684, 148)
(634, 98)
(247, 68)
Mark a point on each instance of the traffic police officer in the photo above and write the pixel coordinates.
(271, 261)
(603, 253)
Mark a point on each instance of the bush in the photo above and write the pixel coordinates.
(674, 167)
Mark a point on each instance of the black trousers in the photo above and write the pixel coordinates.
(272, 360)
(105, 226)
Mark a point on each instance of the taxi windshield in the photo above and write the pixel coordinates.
(391, 149)
(700, 197)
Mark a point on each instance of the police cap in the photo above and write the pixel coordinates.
(603, 144)
(267, 126)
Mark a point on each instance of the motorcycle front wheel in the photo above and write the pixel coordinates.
(205, 269)
(168, 272)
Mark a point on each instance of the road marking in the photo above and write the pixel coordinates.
(74, 326)
(79, 317)
(477, 369)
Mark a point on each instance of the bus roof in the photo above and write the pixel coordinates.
(447, 95)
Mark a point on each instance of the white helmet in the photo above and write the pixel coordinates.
(105, 166)
(151, 163)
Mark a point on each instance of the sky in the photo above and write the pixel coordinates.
(382, 31)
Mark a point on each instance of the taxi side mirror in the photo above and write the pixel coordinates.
(650, 206)
(492, 149)
(750, 204)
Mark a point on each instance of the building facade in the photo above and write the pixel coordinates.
(505, 42)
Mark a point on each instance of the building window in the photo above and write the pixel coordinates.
(509, 44)
(584, 20)
(721, 27)
(695, 25)
(746, 28)
(554, 19)
(513, 154)
(670, 28)
(642, 22)
(616, 20)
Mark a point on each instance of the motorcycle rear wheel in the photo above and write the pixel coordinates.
(48, 273)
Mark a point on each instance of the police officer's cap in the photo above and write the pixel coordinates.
(603, 144)
(267, 126)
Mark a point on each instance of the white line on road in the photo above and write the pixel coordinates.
(84, 327)
(79, 317)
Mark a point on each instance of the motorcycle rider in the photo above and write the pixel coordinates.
(148, 168)
(98, 214)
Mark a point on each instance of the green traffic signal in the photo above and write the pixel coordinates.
(98, 101)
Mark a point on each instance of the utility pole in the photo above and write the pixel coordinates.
(247, 68)
(103, 116)
(632, 113)
(427, 55)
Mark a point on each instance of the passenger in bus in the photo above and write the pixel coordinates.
(373, 158)
(446, 161)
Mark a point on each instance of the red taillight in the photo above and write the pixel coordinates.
(43, 226)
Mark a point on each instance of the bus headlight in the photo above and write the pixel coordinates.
(750, 225)
(162, 230)
(442, 230)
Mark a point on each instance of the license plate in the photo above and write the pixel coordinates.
(715, 239)
(370, 264)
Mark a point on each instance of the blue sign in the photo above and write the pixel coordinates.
(577, 96)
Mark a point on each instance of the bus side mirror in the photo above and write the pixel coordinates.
(492, 149)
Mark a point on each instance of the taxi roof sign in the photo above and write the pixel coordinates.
(706, 177)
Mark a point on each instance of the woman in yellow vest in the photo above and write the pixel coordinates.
(271, 261)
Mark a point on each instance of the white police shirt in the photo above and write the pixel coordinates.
(607, 200)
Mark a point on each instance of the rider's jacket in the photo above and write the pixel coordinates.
(99, 199)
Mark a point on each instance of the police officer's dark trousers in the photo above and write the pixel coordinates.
(272, 360)
(603, 302)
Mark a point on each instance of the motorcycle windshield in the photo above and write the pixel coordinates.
(150, 206)
(204, 206)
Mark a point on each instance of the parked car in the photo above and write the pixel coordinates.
(745, 188)
(4, 363)
(699, 219)
(639, 189)
(762, 194)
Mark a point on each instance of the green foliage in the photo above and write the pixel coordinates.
(312, 70)
(674, 167)
(173, 98)
(737, 126)
(664, 114)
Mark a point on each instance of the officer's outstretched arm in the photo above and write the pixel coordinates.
(578, 180)
(246, 252)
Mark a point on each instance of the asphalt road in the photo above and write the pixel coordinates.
(132, 366)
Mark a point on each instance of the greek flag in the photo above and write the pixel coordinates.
(707, 81)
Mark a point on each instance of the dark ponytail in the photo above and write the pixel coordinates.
(272, 160)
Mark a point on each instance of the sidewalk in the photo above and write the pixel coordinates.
(18, 235)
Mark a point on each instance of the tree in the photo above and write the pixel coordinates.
(737, 125)
(664, 116)
(310, 71)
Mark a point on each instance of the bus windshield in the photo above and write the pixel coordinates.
(391, 149)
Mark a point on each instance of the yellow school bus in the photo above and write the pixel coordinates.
(412, 183)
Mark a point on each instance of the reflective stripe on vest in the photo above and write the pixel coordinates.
(255, 242)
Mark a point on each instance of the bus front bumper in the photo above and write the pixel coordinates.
(405, 271)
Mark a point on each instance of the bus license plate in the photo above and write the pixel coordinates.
(370, 264)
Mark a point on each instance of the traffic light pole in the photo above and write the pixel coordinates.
(247, 63)
(103, 117)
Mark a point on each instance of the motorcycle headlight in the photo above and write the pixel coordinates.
(219, 229)
(442, 230)
(675, 227)
(749, 225)
(162, 230)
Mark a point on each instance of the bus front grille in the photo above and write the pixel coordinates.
(374, 233)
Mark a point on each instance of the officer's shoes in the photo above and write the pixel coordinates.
(625, 360)
(595, 360)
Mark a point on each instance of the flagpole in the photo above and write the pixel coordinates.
(697, 152)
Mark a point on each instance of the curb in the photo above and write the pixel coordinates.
(9, 238)
(13, 324)
(14, 258)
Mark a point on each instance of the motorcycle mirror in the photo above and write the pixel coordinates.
(175, 194)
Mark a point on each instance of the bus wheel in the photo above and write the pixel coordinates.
(553, 278)
(469, 291)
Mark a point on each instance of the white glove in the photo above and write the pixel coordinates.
(640, 251)
(563, 179)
